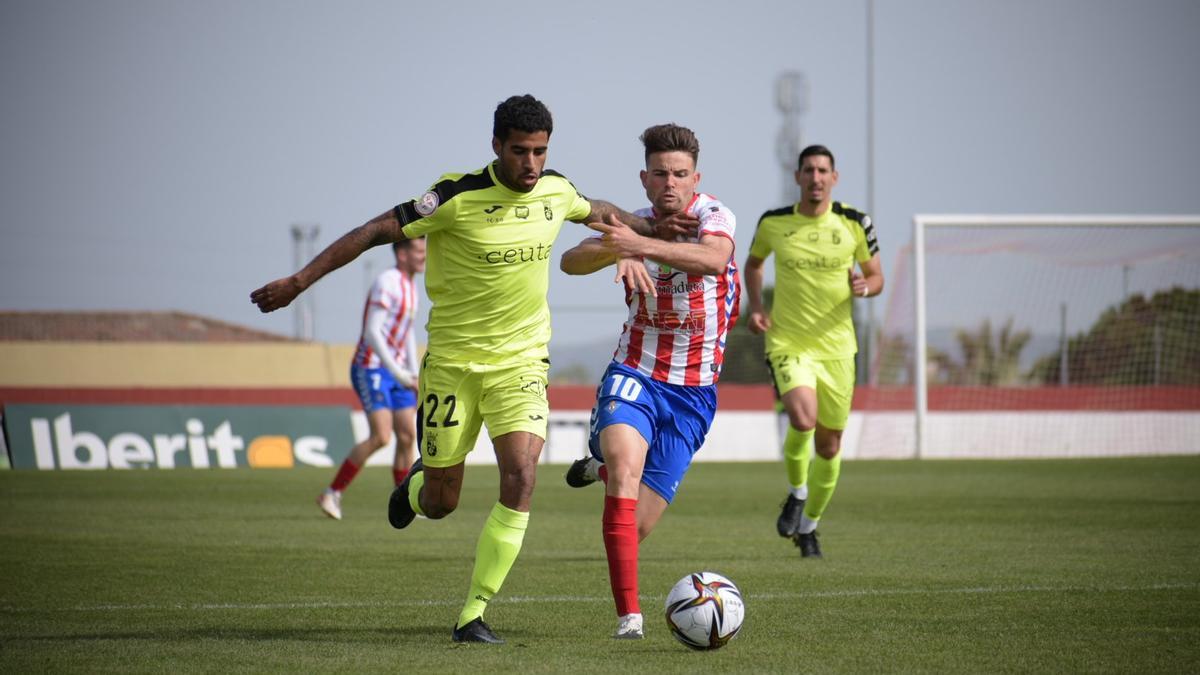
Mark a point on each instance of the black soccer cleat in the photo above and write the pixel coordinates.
(808, 545)
(789, 517)
(475, 631)
(400, 512)
(583, 472)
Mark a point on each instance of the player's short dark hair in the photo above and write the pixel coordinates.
(521, 113)
(814, 151)
(670, 137)
(404, 243)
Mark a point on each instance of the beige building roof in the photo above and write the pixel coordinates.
(125, 327)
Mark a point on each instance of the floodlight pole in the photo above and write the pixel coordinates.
(304, 239)
(868, 357)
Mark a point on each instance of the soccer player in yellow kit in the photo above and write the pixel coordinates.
(489, 236)
(810, 336)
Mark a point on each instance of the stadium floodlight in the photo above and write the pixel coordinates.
(791, 99)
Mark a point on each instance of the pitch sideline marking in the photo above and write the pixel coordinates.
(584, 598)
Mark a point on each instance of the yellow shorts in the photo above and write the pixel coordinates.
(832, 380)
(456, 397)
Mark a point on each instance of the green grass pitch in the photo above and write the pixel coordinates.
(936, 566)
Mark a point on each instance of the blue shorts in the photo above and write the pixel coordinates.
(673, 418)
(378, 390)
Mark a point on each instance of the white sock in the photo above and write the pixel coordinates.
(800, 492)
(807, 525)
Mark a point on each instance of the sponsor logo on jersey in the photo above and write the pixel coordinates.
(816, 263)
(512, 256)
(670, 321)
(684, 286)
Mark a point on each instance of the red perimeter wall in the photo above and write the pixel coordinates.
(732, 397)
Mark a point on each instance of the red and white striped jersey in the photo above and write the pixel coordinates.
(395, 294)
(678, 335)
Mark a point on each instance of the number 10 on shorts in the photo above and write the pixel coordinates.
(626, 387)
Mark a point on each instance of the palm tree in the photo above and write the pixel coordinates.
(986, 362)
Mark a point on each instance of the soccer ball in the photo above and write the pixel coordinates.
(705, 610)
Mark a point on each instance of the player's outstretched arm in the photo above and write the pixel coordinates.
(666, 227)
(586, 257)
(382, 229)
(709, 256)
(591, 255)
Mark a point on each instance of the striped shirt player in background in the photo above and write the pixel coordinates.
(657, 398)
(810, 340)
(384, 372)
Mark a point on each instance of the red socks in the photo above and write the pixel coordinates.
(621, 544)
(344, 475)
(349, 470)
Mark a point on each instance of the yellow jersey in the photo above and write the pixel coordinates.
(487, 265)
(811, 313)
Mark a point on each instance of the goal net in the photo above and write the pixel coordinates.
(1040, 336)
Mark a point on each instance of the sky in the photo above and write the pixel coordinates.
(156, 154)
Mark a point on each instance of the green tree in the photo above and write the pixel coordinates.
(1139, 342)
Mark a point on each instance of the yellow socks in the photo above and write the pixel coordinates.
(821, 485)
(414, 492)
(797, 448)
(498, 546)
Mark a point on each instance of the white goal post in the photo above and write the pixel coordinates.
(1079, 226)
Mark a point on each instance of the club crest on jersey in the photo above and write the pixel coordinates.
(427, 204)
(546, 210)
